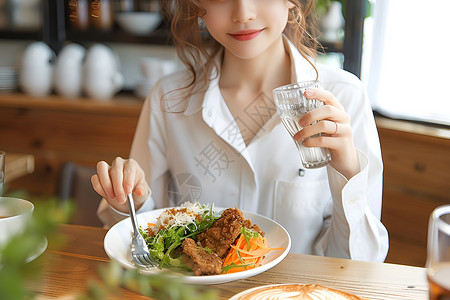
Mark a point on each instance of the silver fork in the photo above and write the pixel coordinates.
(139, 250)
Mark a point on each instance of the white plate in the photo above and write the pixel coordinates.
(118, 238)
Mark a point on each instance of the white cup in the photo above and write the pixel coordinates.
(14, 215)
(154, 68)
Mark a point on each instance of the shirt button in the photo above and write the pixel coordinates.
(209, 113)
(353, 200)
(301, 172)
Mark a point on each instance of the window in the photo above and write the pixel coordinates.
(406, 64)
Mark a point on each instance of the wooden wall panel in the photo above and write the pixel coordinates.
(416, 180)
(417, 163)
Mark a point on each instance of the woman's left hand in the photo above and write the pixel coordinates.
(334, 124)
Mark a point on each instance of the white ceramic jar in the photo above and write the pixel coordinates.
(68, 72)
(101, 76)
(36, 70)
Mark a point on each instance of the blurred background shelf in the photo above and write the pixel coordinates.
(57, 27)
(20, 35)
(159, 37)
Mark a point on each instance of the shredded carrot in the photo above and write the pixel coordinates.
(149, 228)
(249, 255)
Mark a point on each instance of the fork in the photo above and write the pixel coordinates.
(139, 250)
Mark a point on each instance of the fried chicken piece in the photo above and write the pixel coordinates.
(201, 261)
(223, 233)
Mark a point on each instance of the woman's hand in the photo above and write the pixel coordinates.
(114, 182)
(334, 124)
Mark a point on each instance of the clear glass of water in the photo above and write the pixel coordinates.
(291, 105)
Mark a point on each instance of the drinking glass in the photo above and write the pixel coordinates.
(291, 105)
(2, 171)
(438, 256)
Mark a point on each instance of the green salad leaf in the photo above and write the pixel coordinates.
(233, 265)
(164, 243)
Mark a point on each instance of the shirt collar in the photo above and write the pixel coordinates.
(301, 68)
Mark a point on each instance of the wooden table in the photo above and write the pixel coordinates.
(18, 165)
(68, 269)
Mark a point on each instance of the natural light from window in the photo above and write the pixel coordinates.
(406, 65)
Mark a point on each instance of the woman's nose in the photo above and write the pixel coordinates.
(244, 11)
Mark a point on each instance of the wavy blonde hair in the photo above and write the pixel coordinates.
(198, 52)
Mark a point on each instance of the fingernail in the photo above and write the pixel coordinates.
(301, 122)
(127, 189)
(309, 93)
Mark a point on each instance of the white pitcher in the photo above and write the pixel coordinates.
(68, 71)
(35, 75)
(102, 78)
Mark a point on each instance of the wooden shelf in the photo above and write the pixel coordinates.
(20, 35)
(124, 104)
(160, 36)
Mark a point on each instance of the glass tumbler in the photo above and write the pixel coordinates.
(291, 105)
(438, 256)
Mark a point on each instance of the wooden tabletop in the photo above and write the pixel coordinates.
(68, 270)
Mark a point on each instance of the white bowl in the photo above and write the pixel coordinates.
(14, 215)
(139, 23)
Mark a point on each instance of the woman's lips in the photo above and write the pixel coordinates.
(246, 35)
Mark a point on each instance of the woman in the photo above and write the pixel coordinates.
(210, 133)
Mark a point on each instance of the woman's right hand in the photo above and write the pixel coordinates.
(114, 182)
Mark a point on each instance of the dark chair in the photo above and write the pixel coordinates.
(75, 185)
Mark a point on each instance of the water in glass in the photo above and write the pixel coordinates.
(291, 105)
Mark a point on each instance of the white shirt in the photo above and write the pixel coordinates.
(200, 155)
